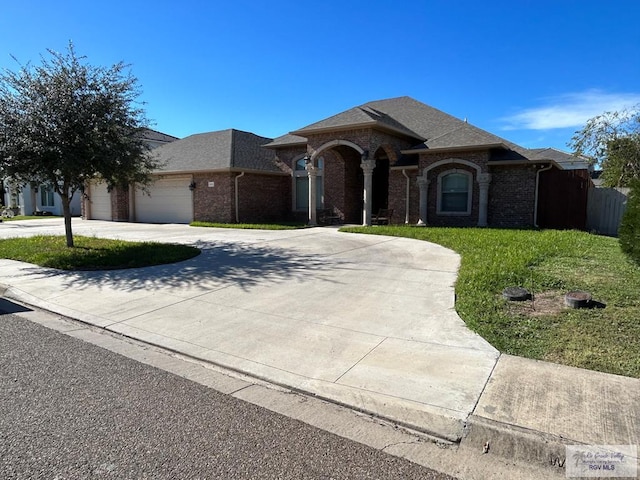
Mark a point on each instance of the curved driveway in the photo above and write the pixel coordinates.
(362, 320)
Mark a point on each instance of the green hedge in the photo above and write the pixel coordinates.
(629, 232)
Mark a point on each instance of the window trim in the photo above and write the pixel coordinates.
(441, 176)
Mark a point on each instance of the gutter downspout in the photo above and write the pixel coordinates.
(237, 196)
(406, 204)
(535, 204)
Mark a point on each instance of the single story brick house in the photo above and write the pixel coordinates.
(398, 154)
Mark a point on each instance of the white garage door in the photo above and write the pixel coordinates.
(99, 201)
(169, 201)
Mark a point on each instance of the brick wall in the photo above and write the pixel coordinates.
(213, 204)
(512, 196)
(262, 198)
(398, 195)
(334, 183)
(120, 198)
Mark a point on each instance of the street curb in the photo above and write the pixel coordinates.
(502, 441)
(475, 431)
(449, 428)
(516, 443)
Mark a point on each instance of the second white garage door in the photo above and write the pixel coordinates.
(99, 201)
(169, 201)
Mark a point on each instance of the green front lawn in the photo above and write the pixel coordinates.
(91, 253)
(548, 263)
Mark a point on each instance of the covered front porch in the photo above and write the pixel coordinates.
(344, 180)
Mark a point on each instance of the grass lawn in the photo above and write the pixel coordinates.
(548, 263)
(251, 226)
(91, 253)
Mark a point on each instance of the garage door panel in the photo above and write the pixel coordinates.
(99, 201)
(168, 201)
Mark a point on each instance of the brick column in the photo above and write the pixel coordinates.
(312, 172)
(367, 167)
(484, 179)
(423, 185)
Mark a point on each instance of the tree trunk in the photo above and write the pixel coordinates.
(66, 211)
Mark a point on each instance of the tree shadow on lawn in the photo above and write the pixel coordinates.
(220, 264)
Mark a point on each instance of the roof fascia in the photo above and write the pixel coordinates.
(497, 163)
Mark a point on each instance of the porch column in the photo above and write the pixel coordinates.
(367, 167)
(484, 179)
(423, 185)
(312, 173)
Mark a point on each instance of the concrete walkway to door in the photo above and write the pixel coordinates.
(365, 321)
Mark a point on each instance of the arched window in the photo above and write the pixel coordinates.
(301, 185)
(454, 192)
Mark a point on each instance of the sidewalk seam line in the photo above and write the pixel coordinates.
(363, 357)
(486, 383)
(233, 394)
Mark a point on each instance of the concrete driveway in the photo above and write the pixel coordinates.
(364, 321)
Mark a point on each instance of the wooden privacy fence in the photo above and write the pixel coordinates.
(605, 207)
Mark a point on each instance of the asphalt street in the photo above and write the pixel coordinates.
(73, 410)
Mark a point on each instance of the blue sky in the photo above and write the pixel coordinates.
(530, 71)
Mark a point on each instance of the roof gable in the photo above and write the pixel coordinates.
(432, 128)
(363, 116)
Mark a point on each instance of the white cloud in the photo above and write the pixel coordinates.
(570, 110)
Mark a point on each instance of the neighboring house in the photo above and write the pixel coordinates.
(36, 199)
(399, 154)
(40, 199)
(102, 204)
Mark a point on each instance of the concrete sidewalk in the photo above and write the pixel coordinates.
(363, 321)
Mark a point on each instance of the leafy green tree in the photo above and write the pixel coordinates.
(629, 232)
(612, 141)
(66, 122)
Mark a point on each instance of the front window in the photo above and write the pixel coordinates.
(301, 185)
(46, 196)
(454, 193)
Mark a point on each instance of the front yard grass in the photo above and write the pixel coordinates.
(548, 263)
(90, 253)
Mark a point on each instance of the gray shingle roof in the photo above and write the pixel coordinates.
(221, 150)
(433, 128)
(564, 159)
(366, 116)
(154, 135)
(286, 140)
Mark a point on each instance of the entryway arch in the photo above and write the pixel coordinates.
(343, 177)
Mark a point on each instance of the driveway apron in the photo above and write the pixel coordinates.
(366, 321)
